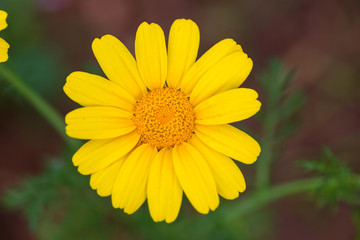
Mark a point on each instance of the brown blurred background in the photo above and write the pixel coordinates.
(319, 39)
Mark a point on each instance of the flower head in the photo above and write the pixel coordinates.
(158, 126)
(4, 46)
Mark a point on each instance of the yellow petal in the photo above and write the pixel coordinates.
(103, 180)
(229, 141)
(118, 64)
(163, 192)
(98, 154)
(3, 16)
(150, 52)
(4, 46)
(195, 178)
(129, 190)
(228, 177)
(183, 47)
(206, 62)
(227, 107)
(226, 74)
(98, 123)
(92, 90)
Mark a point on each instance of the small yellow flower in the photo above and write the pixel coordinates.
(159, 126)
(4, 46)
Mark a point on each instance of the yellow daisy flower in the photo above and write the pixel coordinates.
(159, 126)
(4, 46)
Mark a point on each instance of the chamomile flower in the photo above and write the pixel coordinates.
(158, 126)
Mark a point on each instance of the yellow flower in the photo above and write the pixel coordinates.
(4, 46)
(159, 127)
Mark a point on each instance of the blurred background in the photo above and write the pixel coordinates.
(318, 40)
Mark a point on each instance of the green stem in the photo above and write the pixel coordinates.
(264, 162)
(46, 110)
(261, 198)
(254, 201)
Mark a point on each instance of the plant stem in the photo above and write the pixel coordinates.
(40, 104)
(260, 198)
(254, 201)
(264, 162)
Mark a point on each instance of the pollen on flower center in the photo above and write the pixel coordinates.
(164, 117)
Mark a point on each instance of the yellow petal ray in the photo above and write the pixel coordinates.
(227, 107)
(206, 62)
(98, 154)
(228, 177)
(183, 45)
(195, 178)
(164, 192)
(129, 191)
(103, 181)
(98, 122)
(3, 16)
(229, 141)
(151, 57)
(228, 73)
(4, 46)
(118, 64)
(92, 90)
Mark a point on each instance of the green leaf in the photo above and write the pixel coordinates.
(339, 183)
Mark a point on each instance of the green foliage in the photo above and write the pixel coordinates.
(60, 205)
(277, 116)
(38, 194)
(338, 184)
(274, 80)
(280, 105)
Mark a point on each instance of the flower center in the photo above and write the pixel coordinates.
(164, 117)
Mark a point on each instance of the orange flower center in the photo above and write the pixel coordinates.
(164, 117)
